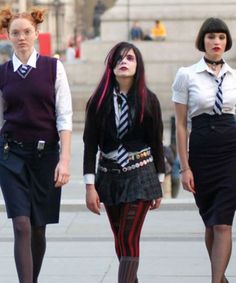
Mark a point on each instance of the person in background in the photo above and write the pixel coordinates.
(99, 9)
(37, 114)
(136, 32)
(169, 161)
(123, 121)
(204, 93)
(158, 32)
(70, 52)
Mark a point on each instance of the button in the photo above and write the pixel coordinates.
(213, 127)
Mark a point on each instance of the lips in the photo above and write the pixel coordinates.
(123, 68)
(216, 48)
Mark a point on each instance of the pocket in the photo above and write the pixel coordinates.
(12, 163)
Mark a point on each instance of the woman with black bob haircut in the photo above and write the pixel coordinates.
(212, 25)
(123, 121)
(204, 94)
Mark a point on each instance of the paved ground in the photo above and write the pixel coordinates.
(80, 249)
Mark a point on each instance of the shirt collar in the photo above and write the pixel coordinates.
(116, 92)
(31, 62)
(202, 66)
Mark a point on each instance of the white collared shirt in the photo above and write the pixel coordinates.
(63, 94)
(193, 86)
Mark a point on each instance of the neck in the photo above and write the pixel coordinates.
(124, 84)
(218, 61)
(24, 56)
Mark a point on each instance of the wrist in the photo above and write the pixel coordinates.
(184, 169)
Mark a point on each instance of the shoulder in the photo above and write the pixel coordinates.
(48, 60)
(152, 97)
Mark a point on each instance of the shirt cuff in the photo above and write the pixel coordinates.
(161, 177)
(89, 179)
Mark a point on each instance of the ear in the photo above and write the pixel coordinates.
(36, 34)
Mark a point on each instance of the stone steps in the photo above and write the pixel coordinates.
(162, 59)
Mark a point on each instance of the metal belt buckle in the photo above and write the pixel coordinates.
(5, 151)
(40, 145)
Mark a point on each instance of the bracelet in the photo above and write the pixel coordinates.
(183, 170)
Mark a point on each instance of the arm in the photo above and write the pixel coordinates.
(156, 144)
(182, 145)
(155, 134)
(64, 125)
(90, 138)
(1, 110)
(62, 171)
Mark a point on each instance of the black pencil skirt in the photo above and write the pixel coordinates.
(212, 158)
(27, 182)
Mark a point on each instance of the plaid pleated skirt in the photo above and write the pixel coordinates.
(212, 158)
(27, 182)
(115, 186)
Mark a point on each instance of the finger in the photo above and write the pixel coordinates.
(56, 173)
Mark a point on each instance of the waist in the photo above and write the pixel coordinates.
(146, 152)
(110, 166)
(207, 119)
(37, 145)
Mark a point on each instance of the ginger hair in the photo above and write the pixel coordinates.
(35, 16)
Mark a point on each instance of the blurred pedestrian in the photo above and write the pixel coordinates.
(158, 32)
(136, 32)
(99, 9)
(169, 161)
(205, 93)
(37, 114)
(124, 122)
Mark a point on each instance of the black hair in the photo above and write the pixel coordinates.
(213, 25)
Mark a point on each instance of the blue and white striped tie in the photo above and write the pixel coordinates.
(217, 108)
(23, 70)
(123, 156)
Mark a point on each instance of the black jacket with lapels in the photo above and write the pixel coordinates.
(103, 134)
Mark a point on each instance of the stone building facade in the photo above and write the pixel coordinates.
(66, 19)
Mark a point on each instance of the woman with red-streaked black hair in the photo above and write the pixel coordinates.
(123, 122)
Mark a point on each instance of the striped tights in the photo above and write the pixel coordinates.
(126, 221)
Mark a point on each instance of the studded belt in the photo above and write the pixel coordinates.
(125, 169)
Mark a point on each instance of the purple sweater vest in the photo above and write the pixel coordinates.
(29, 104)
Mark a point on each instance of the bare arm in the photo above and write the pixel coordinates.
(182, 146)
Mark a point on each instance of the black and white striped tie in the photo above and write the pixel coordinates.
(23, 70)
(123, 156)
(217, 108)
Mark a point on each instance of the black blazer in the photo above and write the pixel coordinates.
(149, 133)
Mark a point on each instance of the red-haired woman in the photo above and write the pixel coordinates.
(37, 114)
(124, 122)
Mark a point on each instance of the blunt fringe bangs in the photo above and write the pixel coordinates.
(213, 25)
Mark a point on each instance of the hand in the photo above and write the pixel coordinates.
(61, 175)
(92, 199)
(155, 203)
(188, 181)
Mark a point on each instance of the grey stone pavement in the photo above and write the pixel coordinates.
(80, 248)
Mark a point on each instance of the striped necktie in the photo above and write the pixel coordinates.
(23, 70)
(217, 108)
(123, 156)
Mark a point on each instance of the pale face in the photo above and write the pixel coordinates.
(22, 34)
(215, 44)
(126, 66)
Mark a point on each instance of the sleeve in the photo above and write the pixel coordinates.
(90, 138)
(63, 100)
(180, 86)
(1, 109)
(156, 134)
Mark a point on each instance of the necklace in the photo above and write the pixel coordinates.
(213, 64)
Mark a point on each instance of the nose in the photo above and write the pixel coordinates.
(22, 35)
